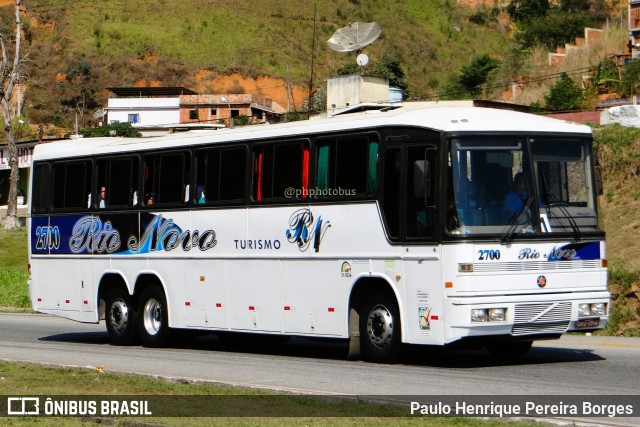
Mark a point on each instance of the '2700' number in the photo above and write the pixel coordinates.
(486, 254)
(47, 238)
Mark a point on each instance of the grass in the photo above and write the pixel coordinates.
(13, 268)
(181, 397)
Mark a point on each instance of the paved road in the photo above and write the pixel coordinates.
(574, 365)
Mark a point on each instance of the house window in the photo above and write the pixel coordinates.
(214, 112)
(193, 114)
(133, 118)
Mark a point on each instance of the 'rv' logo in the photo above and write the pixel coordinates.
(303, 230)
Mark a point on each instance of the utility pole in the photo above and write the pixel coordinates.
(313, 50)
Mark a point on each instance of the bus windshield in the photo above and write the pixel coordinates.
(510, 186)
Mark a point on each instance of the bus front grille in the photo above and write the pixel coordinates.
(541, 318)
(518, 266)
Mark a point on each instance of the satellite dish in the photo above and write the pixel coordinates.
(362, 60)
(99, 113)
(354, 37)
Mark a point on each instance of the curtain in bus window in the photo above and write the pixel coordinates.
(372, 177)
(257, 175)
(322, 181)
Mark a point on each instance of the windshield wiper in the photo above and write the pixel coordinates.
(508, 236)
(553, 202)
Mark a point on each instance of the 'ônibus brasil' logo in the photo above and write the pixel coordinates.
(304, 230)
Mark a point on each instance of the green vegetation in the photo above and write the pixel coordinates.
(619, 156)
(13, 269)
(564, 95)
(543, 22)
(114, 129)
(79, 48)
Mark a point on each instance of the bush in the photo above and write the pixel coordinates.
(120, 129)
(564, 95)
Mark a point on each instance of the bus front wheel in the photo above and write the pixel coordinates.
(120, 317)
(380, 329)
(153, 318)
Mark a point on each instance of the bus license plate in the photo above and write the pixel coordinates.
(587, 323)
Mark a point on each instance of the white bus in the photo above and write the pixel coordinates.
(380, 228)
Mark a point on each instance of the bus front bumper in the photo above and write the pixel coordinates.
(526, 318)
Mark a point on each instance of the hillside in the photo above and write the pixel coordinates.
(192, 42)
(619, 155)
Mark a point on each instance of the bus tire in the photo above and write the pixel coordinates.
(153, 318)
(120, 317)
(508, 349)
(380, 329)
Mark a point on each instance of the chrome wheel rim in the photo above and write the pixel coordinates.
(119, 316)
(380, 326)
(152, 316)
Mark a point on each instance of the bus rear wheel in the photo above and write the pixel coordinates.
(120, 317)
(153, 319)
(380, 329)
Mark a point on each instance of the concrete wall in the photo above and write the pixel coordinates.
(152, 111)
(625, 115)
(345, 91)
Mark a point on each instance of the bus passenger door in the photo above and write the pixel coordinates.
(422, 273)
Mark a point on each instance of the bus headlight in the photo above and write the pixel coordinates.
(584, 310)
(594, 309)
(488, 314)
(599, 309)
(496, 314)
(478, 315)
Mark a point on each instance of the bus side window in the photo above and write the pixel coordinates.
(163, 181)
(71, 184)
(347, 166)
(281, 171)
(391, 201)
(117, 176)
(41, 187)
(221, 175)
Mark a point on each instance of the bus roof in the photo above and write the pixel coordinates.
(440, 118)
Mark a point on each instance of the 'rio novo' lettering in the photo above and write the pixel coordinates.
(165, 235)
(558, 254)
(90, 234)
(528, 253)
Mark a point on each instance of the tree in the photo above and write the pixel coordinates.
(556, 28)
(476, 74)
(81, 86)
(564, 95)
(523, 10)
(389, 67)
(10, 75)
(630, 85)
